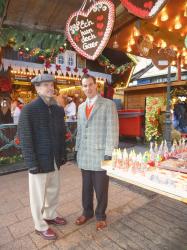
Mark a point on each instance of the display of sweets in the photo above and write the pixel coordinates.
(121, 159)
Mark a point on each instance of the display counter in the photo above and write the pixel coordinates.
(169, 183)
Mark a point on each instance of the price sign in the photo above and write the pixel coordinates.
(89, 31)
(162, 57)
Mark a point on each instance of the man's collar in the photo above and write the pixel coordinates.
(47, 101)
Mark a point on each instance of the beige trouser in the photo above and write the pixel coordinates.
(44, 192)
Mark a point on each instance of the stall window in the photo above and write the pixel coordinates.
(61, 59)
(70, 58)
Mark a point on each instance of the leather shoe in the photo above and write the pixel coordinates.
(100, 225)
(58, 221)
(49, 234)
(82, 219)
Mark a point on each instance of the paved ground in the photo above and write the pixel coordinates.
(137, 219)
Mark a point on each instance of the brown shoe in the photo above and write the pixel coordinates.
(82, 219)
(49, 234)
(100, 225)
(58, 221)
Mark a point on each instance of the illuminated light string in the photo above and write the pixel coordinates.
(160, 44)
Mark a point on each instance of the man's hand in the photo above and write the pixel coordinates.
(107, 158)
(64, 160)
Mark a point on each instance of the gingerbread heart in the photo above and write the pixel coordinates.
(144, 8)
(162, 58)
(89, 31)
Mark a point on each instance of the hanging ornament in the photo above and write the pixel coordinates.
(75, 69)
(61, 49)
(47, 64)
(35, 51)
(162, 57)
(41, 57)
(89, 31)
(85, 70)
(68, 68)
(58, 67)
(143, 8)
(144, 44)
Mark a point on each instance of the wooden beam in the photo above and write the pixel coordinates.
(154, 86)
(123, 19)
(33, 27)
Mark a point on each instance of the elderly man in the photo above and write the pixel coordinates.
(41, 131)
(97, 136)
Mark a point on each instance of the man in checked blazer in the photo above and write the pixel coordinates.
(97, 136)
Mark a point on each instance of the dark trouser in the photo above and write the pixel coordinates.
(98, 181)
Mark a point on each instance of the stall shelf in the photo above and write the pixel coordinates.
(145, 183)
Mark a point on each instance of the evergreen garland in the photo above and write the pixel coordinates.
(2, 7)
(17, 38)
(113, 69)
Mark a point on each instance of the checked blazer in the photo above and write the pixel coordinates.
(98, 135)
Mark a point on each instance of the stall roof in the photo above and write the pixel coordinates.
(45, 15)
(167, 29)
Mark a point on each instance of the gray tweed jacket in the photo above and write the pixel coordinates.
(98, 135)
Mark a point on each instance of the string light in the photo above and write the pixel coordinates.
(136, 32)
(164, 17)
(129, 49)
(178, 24)
(132, 41)
(163, 44)
(185, 10)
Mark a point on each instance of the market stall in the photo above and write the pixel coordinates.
(165, 174)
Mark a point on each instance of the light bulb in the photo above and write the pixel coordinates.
(163, 44)
(185, 10)
(136, 32)
(178, 24)
(164, 17)
(129, 49)
(132, 41)
(115, 45)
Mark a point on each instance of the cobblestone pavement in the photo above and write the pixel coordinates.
(137, 219)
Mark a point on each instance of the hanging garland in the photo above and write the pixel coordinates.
(42, 44)
(181, 91)
(2, 7)
(17, 38)
(111, 68)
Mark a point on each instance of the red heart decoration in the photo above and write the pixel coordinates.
(162, 58)
(100, 26)
(100, 18)
(100, 33)
(148, 5)
(142, 8)
(85, 23)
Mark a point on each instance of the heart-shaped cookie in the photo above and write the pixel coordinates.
(162, 58)
(89, 31)
(143, 8)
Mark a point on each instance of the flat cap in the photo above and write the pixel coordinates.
(43, 78)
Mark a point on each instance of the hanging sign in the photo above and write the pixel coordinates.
(89, 31)
(162, 58)
(142, 8)
(144, 44)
